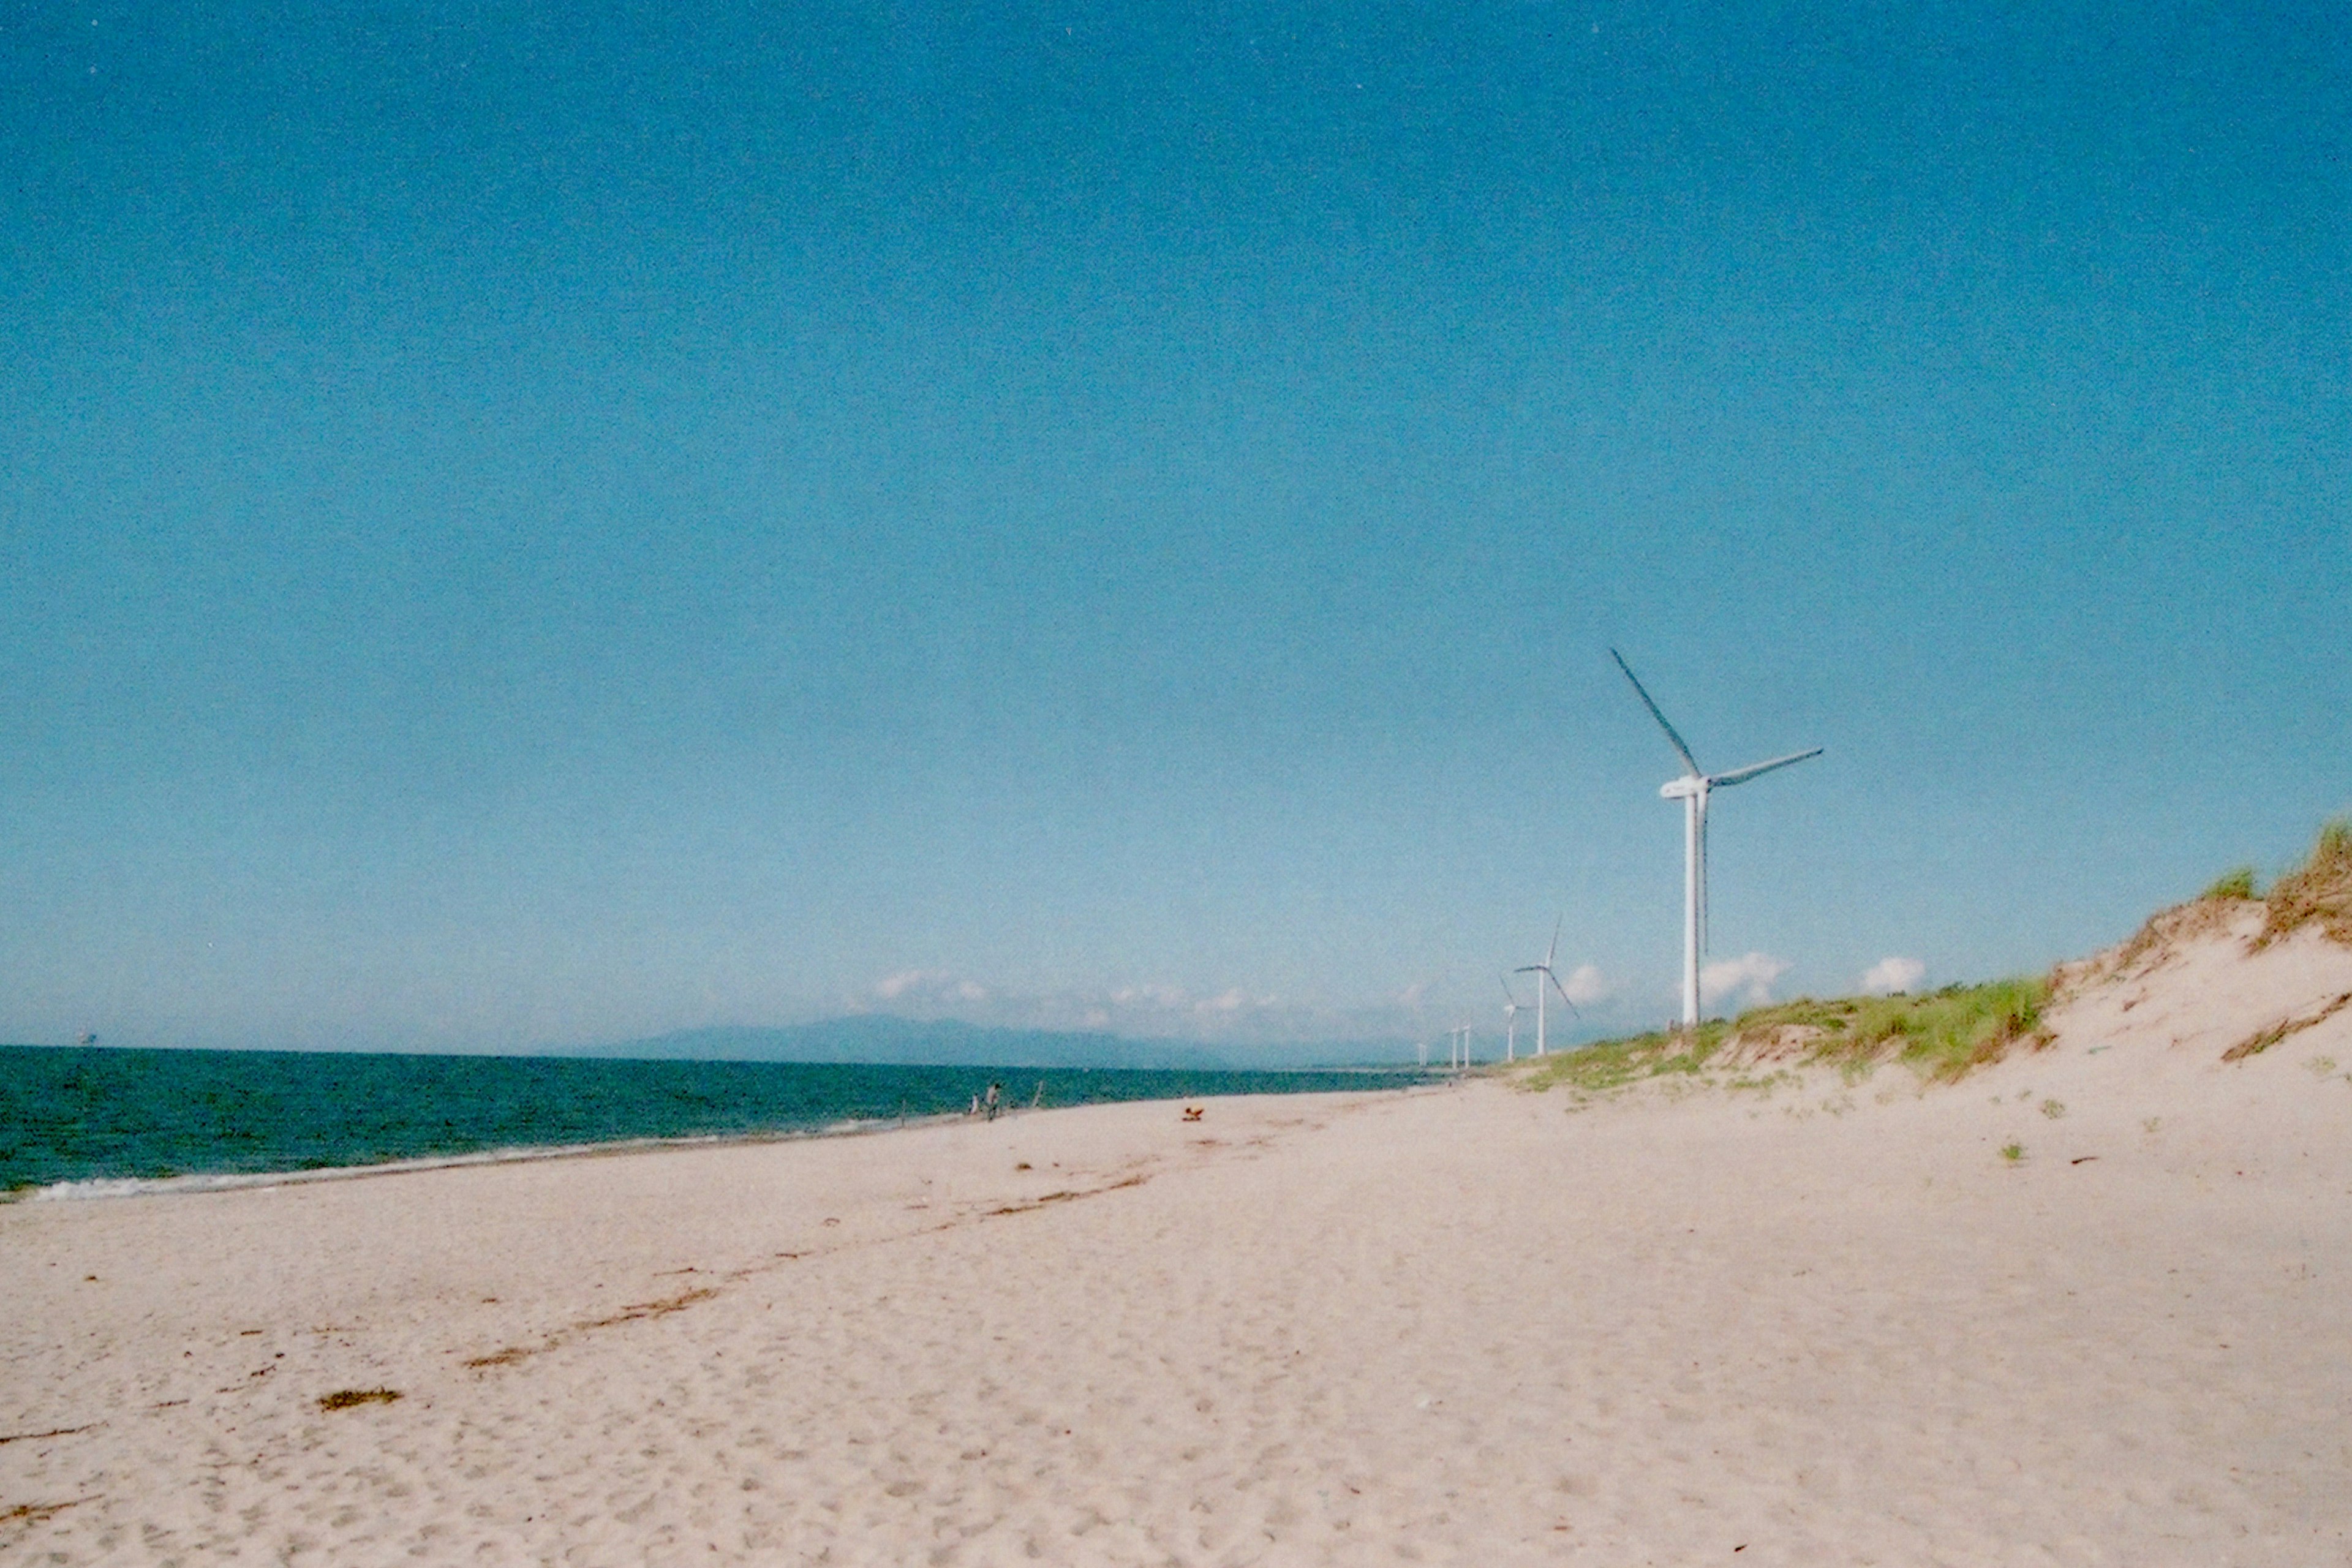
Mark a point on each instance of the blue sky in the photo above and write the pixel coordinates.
(532, 526)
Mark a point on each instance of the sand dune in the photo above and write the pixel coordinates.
(1828, 1322)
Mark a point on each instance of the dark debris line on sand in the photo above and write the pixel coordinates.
(53, 1432)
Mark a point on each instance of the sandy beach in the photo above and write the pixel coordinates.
(1822, 1321)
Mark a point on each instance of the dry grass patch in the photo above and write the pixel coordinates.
(2256, 1043)
(344, 1398)
(2318, 891)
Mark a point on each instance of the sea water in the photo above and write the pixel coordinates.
(91, 1122)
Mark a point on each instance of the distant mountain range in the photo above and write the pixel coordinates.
(884, 1039)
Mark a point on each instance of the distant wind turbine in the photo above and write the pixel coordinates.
(1545, 970)
(1692, 789)
(1511, 1019)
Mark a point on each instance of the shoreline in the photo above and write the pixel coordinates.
(90, 1188)
(93, 1189)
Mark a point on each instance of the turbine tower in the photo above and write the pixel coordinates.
(1692, 790)
(1544, 968)
(1511, 1020)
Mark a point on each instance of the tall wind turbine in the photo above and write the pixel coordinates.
(1544, 968)
(1692, 790)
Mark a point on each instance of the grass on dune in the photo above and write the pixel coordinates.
(1939, 1034)
(2320, 890)
(1611, 1064)
(2316, 892)
(1944, 1034)
(2238, 883)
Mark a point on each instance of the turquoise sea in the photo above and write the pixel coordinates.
(93, 1120)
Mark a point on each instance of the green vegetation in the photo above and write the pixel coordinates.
(1613, 1064)
(2012, 1152)
(2234, 884)
(1940, 1035)
(1944, 1034)
(2320, 890)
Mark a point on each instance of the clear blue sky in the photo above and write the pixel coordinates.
(534, 525)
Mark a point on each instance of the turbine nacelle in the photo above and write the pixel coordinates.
(1684, 788)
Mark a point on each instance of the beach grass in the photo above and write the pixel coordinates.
(2235, 883)
(1941, 1035)
(1944, 1035)
(2319, 890)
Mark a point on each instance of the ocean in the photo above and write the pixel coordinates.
(93, 1120)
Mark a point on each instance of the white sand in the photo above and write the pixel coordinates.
(1829, 1325)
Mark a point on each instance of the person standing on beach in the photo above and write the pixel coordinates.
(994, 1093)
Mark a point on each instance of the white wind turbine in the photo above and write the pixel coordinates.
(1511, 1020)
(1545, 970)
(1692, 789)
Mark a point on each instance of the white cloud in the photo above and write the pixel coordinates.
(1891, 975)
(1750, 977)
(1221, 1015)
(1142, 1010)
(929, 987)
(890, 987)
(1585, 985)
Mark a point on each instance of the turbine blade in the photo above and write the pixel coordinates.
(1553, 951)
(1660, 718)
(1508, 993)
(1563, 992)
(1741, 775)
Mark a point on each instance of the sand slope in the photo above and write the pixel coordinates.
(1827, 1324)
